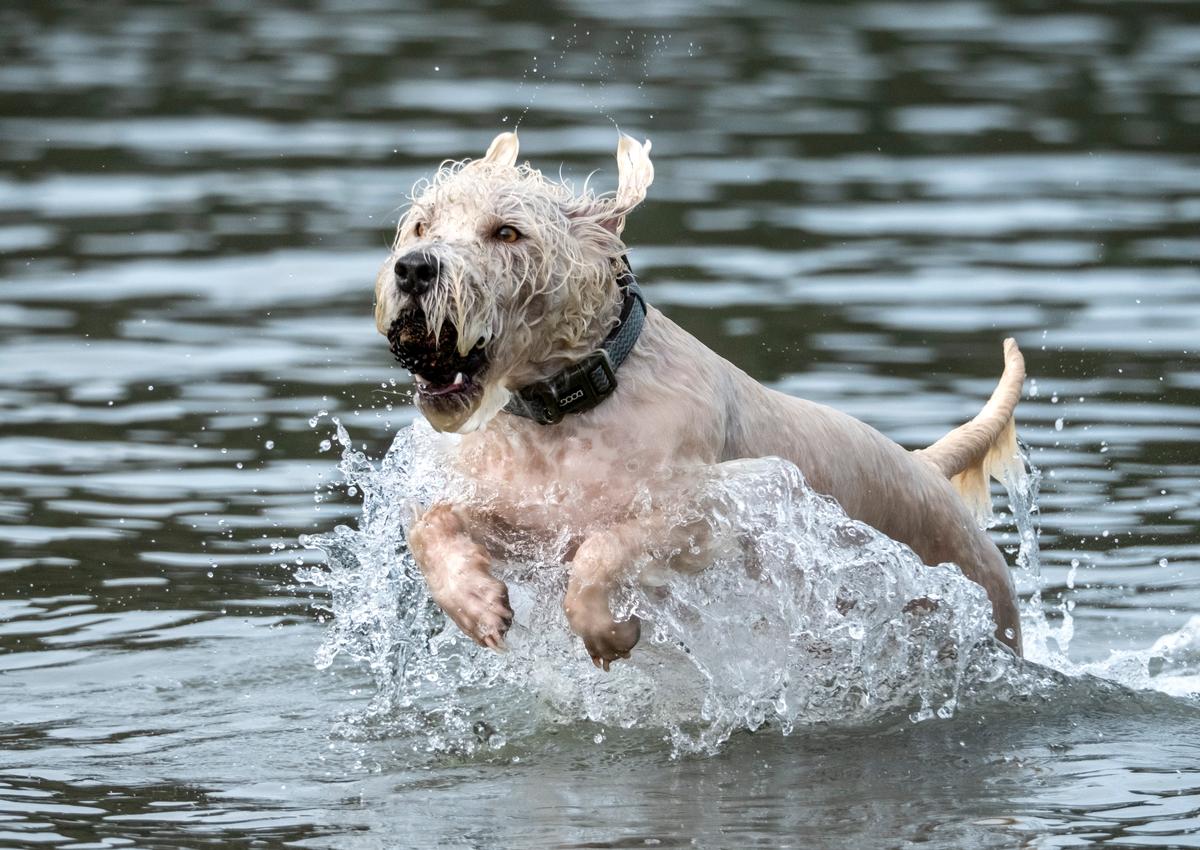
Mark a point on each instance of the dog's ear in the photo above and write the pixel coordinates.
(635, 172)
(503, 150)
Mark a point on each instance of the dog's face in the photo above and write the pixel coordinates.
(499, 277)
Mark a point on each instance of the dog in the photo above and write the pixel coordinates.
(508, 296)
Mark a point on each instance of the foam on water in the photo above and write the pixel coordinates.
(807, 618)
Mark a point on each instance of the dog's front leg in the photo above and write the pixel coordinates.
(602, 561)
(677, 540)
(457, 571)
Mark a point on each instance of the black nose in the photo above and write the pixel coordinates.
(416, 272)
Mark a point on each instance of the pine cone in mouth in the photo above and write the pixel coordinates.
(434, 360)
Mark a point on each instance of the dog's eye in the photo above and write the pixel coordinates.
(420, 229)
(505, 233)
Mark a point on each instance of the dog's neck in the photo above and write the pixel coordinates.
(586, 383)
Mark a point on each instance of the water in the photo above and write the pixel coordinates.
(854, 202)
(863, 632)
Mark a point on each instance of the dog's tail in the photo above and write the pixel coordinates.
(987, 445)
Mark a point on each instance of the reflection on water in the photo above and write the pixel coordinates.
(855, 202)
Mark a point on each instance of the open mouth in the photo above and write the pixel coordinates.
(442, 374)
(460, 384)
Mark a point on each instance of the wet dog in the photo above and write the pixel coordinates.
(508, 296)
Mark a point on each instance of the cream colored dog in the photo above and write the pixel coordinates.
(499, 282)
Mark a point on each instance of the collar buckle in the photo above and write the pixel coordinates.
(598, 378)
(581, 387)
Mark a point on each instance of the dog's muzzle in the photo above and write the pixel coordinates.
(440, 371)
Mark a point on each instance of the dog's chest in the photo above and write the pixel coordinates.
(551, 483)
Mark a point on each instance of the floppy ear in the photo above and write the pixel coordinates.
(502, 150)
(635, 173)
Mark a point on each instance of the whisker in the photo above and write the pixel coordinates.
(407, 394)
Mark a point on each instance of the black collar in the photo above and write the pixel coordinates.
(583, 385)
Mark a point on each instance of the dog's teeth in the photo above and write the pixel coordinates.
(458, 379)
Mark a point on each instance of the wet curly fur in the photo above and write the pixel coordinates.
(534, 306)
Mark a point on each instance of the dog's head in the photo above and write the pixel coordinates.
(499, 277)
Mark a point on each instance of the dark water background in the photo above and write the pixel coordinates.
(854, 201)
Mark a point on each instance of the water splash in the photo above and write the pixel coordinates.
(1042, 640)
(1171, 665)
(564, 59)
(807, 618)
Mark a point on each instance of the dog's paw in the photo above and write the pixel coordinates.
(605, 639)
(477, 602)
(612, 640)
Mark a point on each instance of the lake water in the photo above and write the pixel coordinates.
(855, 202)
